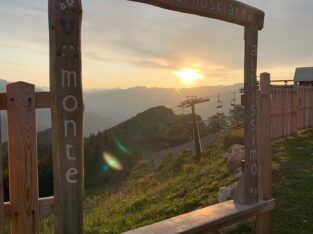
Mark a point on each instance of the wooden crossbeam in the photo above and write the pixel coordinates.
(208, 219)
(46, 206)
(231, 11)
(43, 100)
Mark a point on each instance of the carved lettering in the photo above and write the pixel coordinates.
(67, 124)
(71, 175)
(68, 77)
(73, 100)
(68, 152)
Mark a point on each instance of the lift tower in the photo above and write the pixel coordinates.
(191, 102)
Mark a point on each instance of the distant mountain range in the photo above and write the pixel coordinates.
(121, 104)
(108, 107)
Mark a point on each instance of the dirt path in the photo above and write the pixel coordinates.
(158, 158)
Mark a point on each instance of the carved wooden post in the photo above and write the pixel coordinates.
(67, 114)
(2, 223)
(23, 169)
(250, 86)
(264, 222)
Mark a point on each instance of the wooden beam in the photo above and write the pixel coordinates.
(264, 221)
(208, 219)
(67, 115)
(46, 207)
(250, 102)
(22, 157)
(43, 100)
(227, 10)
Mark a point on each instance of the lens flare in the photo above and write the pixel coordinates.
(112, 162)
(121, 147)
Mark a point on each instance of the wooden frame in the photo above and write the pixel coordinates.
(207, 219)
(66, 102)
(253, 20)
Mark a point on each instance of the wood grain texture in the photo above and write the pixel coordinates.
(227, 10)
(291, 110)
(46, 207)
(2, 223)
(67, 114)
(43, 100)
(250, 86)
(264, 221)
(208, 219)
(22, 151)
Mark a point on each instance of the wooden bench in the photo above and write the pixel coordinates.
(208, 219)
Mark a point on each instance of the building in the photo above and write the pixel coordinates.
(304, 76)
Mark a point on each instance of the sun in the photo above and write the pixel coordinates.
(189, 75)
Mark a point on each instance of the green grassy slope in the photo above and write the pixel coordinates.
(182, 185)
(148, 196)
(293, 184)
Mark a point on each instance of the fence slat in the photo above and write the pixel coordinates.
(22, 148)
(264, 221)
(292, 110)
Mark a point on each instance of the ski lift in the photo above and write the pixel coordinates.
(219, 102)
(233, 102)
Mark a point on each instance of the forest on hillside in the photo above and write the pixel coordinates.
(110, 154)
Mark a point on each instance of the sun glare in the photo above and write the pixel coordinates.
(111, 162)
(189, 75)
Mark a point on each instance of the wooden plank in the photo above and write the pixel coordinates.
(264, 222)
(22, 149)
(207, 219)
(43, 100)
(227, 10)
(250, 86)
(46, 207)
(67, 115)
(2, 223)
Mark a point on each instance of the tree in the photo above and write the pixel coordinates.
(237, 115)
(217, 122)
(177, 134)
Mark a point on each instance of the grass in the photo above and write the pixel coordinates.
(179, 186)
(182, 185)
(293, 184)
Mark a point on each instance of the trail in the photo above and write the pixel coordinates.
(158, 158)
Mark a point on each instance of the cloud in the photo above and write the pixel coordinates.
(147, 37)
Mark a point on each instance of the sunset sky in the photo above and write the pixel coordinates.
(129, 44)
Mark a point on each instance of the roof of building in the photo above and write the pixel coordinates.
(304, 74)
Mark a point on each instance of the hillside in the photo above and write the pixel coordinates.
(181, 185)
(151, 131)
(106, 108)
(144, 134)
(122, 104)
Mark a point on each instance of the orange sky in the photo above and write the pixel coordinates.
(129, 44)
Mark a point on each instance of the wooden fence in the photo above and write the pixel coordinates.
(291, 111)
(65, 99)
(25, 207)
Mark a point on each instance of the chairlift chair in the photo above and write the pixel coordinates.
(219, 102)
(233, 102)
